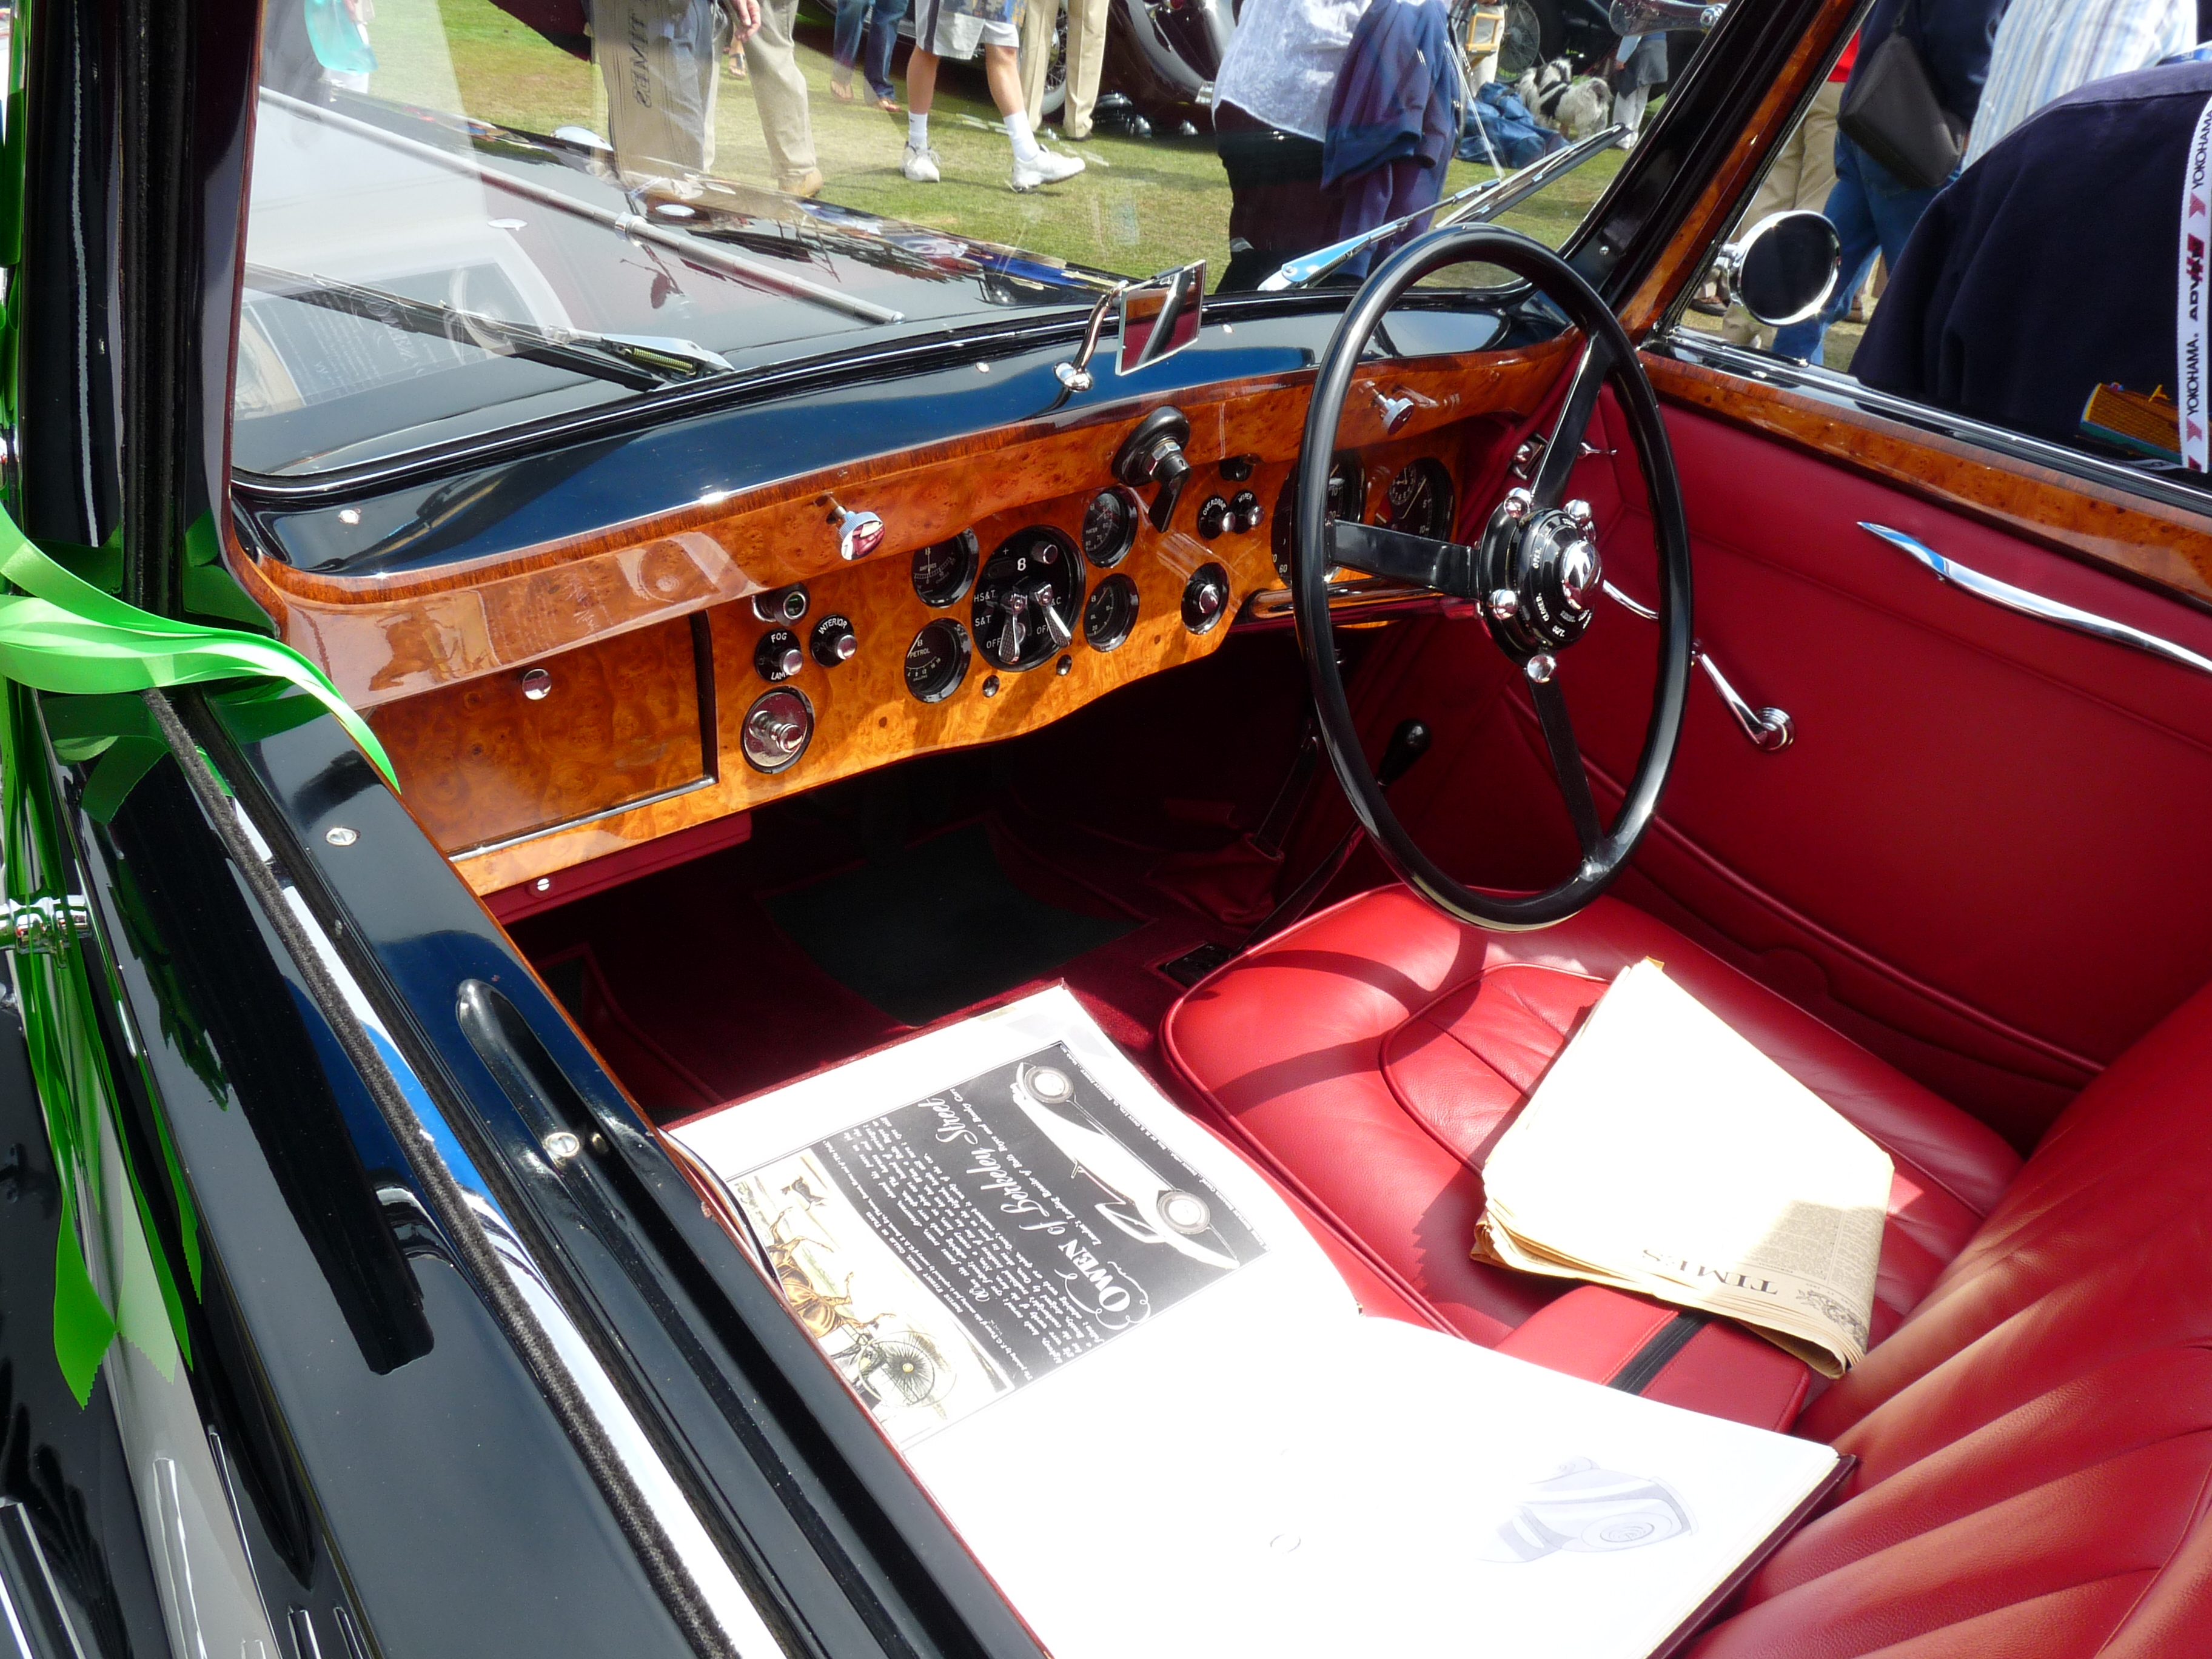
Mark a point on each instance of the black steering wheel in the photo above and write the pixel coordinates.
(1536, 578)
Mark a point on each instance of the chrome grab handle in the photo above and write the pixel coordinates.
(2030, 604)
(1770, 730)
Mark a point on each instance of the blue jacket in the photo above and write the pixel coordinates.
(1955, 38)
(1394, 118)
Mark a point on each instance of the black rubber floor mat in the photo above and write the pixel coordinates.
(934, 927)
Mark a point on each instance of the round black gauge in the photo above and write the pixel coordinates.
(1347, 499)
(942, 573)
(937, 661)
(1419, 501)
(1109, 527)
(1028, 600)
(1110, 613)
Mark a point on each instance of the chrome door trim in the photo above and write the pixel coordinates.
(2030, 604)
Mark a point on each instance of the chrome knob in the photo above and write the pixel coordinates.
(1580, 513)
(537, 685)
(1541, 667)
(858, 534)
(776, 729)
(1579, 573)
(1503, 604)
(834, 641)
(790, 661)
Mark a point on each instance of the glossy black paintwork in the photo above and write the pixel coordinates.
(782, 1462)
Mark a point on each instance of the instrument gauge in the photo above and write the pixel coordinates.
(937, 661)
(943, 573)
(1419, 501)
(1110, 614)
(1029, 599)
(1347, 499)
(1109, 527)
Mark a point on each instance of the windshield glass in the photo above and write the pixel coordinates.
(470, 215)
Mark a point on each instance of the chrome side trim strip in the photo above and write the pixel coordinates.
(614, 811)
(2030, 604)
(1770, 730)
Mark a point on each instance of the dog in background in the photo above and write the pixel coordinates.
(1565, 102)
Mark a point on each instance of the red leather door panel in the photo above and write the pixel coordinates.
(1979, 855)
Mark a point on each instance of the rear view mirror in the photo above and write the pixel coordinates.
(1785, 270)
(1160, 316)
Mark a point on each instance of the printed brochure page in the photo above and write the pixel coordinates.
(1137, 1386)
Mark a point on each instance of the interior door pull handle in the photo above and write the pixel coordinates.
(2030, 604)
(1770, 730)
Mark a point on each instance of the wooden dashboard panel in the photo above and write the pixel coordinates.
(864, 715)
(386, 637)
(612, 722)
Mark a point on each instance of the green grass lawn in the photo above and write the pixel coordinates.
(1144, 204)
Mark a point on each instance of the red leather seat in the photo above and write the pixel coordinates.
(2034, 1433)
(1371, 1055)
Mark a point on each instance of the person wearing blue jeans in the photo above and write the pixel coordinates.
(881, 18)
(1872, 213)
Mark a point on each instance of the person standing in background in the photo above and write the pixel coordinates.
(780, 98)
(2046, 48)
(1639, 64)
(1270, 119)
(1803, 173)
(1085, 60)
(1872, 210)
(660, 60)
(953, 28)
(881, 20)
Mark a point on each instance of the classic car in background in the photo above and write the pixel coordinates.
(505, 659)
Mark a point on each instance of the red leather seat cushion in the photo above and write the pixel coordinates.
(1370, 1056)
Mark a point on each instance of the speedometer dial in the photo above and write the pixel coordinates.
(1419, 501)
(1028, 600)
(1347, 499)
(1109, 527)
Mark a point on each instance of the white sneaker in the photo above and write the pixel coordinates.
(919, 166)
(1047, 169)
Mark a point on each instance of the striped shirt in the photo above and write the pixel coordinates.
(2046, 48)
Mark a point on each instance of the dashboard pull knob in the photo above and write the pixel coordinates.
(1152, 454)
(834, 641)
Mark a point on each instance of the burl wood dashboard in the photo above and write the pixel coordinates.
(553, 707)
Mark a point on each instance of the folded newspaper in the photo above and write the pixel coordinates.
(1664, 1154)
(1132, 1380)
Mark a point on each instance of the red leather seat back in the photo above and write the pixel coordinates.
(2036, 1438)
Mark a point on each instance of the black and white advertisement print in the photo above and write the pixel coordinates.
(958, 1247)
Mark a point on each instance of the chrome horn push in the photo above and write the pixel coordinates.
(1539, 571)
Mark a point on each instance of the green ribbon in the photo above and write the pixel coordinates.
(61, 634)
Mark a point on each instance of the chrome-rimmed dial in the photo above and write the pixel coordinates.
(1110, 526)
(936, 660)
(1419, 501)
(1029, 599)
(944, 571)
(1110, 614)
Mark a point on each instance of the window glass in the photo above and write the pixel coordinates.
(471, 214)
(1978, 278)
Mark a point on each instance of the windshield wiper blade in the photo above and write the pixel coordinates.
(643, 363)
(1474, 205)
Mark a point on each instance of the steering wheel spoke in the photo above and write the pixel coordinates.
(1564, 447)
(1373, 551)
(1567, 754)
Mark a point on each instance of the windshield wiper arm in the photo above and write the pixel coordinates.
(643, 363)
(1473, 204)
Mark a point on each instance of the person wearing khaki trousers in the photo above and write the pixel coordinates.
(1803, 173)
(1086, 61)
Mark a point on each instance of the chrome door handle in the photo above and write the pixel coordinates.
(2031, 603)
(1770, 730)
